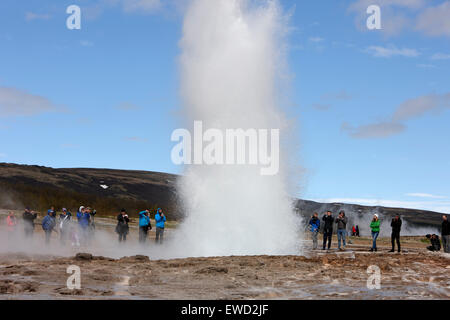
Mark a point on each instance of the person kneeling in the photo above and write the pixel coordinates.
(435, 242)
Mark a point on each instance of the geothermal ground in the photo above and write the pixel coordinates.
(412, 274)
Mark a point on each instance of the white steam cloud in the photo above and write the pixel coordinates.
(231, 63)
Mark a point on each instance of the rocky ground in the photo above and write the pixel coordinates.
(415, 274)
(31, 270)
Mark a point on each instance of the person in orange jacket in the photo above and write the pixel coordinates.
(11, 223)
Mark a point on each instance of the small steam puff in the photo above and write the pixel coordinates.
(230, 64)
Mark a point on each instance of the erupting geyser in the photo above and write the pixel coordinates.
(232, 54)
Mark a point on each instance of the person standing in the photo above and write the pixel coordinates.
(396, 225)
(28, 222)
(84, 219)
(11, 223)
(144, 225)
(64, 225)
(353, 231)
(375, 227)
(327, 229)
(314, 224)
(48, 224)
(445, 233)
(341, 222)
(160, 219)
(357, 230)
(91, 226)
(122, 227)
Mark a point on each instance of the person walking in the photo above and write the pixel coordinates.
(375, 227)
(160, 219)
(48, 224)
(122, 227)
(396, 225)
(327, 229)
(314, 224)
(445, 233)
(28, 222)
(144, 225)
(341, 222)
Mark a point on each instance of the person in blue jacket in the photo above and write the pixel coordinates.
(160, 219)
(314, 225)
(48, 224)
(84, 219)
(144, 225)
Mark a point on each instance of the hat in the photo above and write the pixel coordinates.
(81, 208)
(64, 209)
(376, 215)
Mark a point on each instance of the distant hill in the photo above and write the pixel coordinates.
(360, 214)
(104, 189)
(109, 190)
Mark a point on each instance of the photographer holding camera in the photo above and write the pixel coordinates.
(160, 219)
(122, 225)
(144, 225)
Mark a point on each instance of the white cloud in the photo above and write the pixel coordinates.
(411, 108)
(435, 21)
(397, 16)
(425, 195)
(440, 56)
(30, 16)
(418, 106)
(388, 52)
(16, 102)
(374, 130)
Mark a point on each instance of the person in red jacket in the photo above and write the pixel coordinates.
(11, 223)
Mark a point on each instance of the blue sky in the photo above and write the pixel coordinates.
(373, 107)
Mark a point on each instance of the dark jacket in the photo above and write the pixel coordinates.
(29, 217)
(328, 226)
(436, 243)
(445, 228)
(341, 223)
(396, 225)
(122, 224)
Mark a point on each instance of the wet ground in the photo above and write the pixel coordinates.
(335, 275)
(31, 270)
